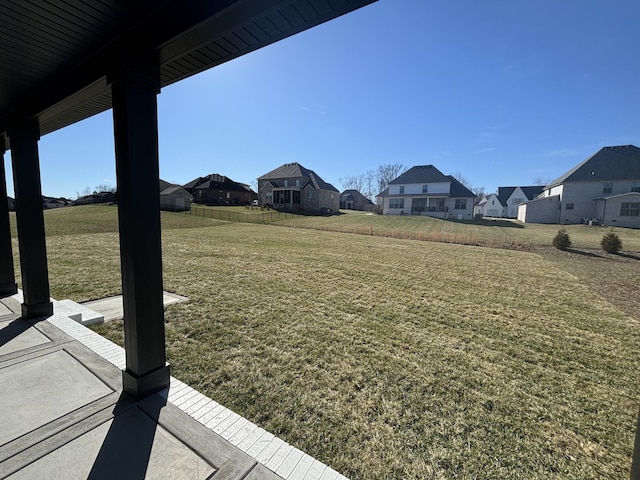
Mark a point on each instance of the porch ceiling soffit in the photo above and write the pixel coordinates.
(55, 55)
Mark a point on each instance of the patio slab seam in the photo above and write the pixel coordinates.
(273, 453)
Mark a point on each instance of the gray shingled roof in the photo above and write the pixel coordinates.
(172, 189)
(609, 163)
(354, 194)
(295, 170)
(457, 189)
(503, 194)
(421, 174)
(530, 192)
(430, 174)
(215, 181)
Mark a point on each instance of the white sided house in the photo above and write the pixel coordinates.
(604, 189)
(424, 190)
(505, 203)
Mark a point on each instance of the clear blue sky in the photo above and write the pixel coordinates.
(501, 91)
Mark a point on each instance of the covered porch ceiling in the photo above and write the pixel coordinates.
(55, 55)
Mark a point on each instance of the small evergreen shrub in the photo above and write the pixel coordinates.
(561, 241)
(611, 243)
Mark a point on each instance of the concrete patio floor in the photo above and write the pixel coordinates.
(63, 415)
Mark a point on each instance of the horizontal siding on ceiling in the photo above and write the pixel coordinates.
(40, 39)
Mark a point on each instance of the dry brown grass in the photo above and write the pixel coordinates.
(390, 358)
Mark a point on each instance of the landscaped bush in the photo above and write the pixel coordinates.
(611, 243)
(561, 241)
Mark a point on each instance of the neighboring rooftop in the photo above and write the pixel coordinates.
(531, 192)
(457, 189)
(608, 163)
(421, 174)
(215, 181)
(295, 170)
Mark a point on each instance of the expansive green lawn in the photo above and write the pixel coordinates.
(390, 358)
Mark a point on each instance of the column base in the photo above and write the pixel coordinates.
(37, 310)
(152, 382)
(8, 289)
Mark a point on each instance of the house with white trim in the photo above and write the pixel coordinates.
(425, 190)
(505, 202)
(603, 189)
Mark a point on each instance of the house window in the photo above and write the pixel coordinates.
(635, 187)
(569, 206)
(461, 204)
(396, 203)
(628, 209)
(425, 188)
(297, 182)
(607, 187)
(401, 188)
(286, 183)
(518, 201)
(310, 195)
(269, 194)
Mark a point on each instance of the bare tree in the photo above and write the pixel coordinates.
(388, 172)
(541, 181)
(369, 187)
(479, 192)
(352, 183)
(462, 179)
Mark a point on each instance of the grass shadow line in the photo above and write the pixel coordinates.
(585, 253)
(628, 255)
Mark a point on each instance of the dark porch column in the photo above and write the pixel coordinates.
(30, 220)
(7, 274)
(134, 88)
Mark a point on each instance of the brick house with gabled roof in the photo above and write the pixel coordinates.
(215, 189)
(296, 188)
(603, 189)
(354, 200)
(425, 190)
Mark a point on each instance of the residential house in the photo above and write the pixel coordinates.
(425, 190)
(173, 197)
(603, 189)
(478, 208)
(217, 189)
(51, 202)
(354, 200)
(505, 202)
(296, 188)
(102, 197)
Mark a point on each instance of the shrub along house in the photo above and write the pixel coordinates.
(295, 188)
(217, 189)
(605, 189)
(425, 190)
